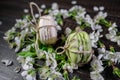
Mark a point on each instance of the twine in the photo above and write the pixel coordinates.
(66, 47)
(32, 13)
(37, 30)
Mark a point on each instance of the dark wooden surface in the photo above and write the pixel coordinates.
(12, 9)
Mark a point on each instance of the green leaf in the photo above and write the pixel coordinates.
(27, 54)
(46, 11)
(112, 49)
(59, 19)
(60, 57)
(65, 74)
(105, 22)
(75, 78)
(118, 33)
(32, 72)
(116, 71)
(44, 48)
(32, 49)
(100, 44)
(84, 25)
(50, 49)
(73, 14)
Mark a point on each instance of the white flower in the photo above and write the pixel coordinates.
(54, 75)
(117, 57)
(30, 77)
(114, 57)
(64, 13)
(112, 35)
(37, 15)
(54, 12)
(99, 28)
(44, 72)
(27, 66)
(18, 43)
(77, 8)
(118, 42)
(94, 37)
(93, 41)
(58, 27)
(95, 8)
(100, 56)
(68, 67)
(26, 10)
(109, 36)
(27, 48)
(55, 6)
(101, 50)
(21, 59)
(96, 65)
(50, 60)
(101, 8)
(90, 21)
(26, 63)
(81, 15)
(8, 35)
(23, 33)
(112, 27)
(96, 76)
(24, 73)
(73, 2)
(68, 31)
(29, 59)
(43, 6)
(100, 15)
(7, 62)
(54, 62)
(112, 32)
(17, 24)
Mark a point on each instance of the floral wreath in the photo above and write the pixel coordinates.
(39, 54)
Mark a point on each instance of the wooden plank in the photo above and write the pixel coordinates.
(7, 73)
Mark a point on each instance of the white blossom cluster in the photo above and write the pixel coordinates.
(97, 68)
(100, 8)
(96, 63)
(108, 55)
(27, 65)
(94, 36)
(97, 29)
(50, 69)
(70, 67)
(55, 11)
(26, 29)
(112, 35)
(80, 13)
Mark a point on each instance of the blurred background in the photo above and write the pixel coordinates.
(10, 10)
